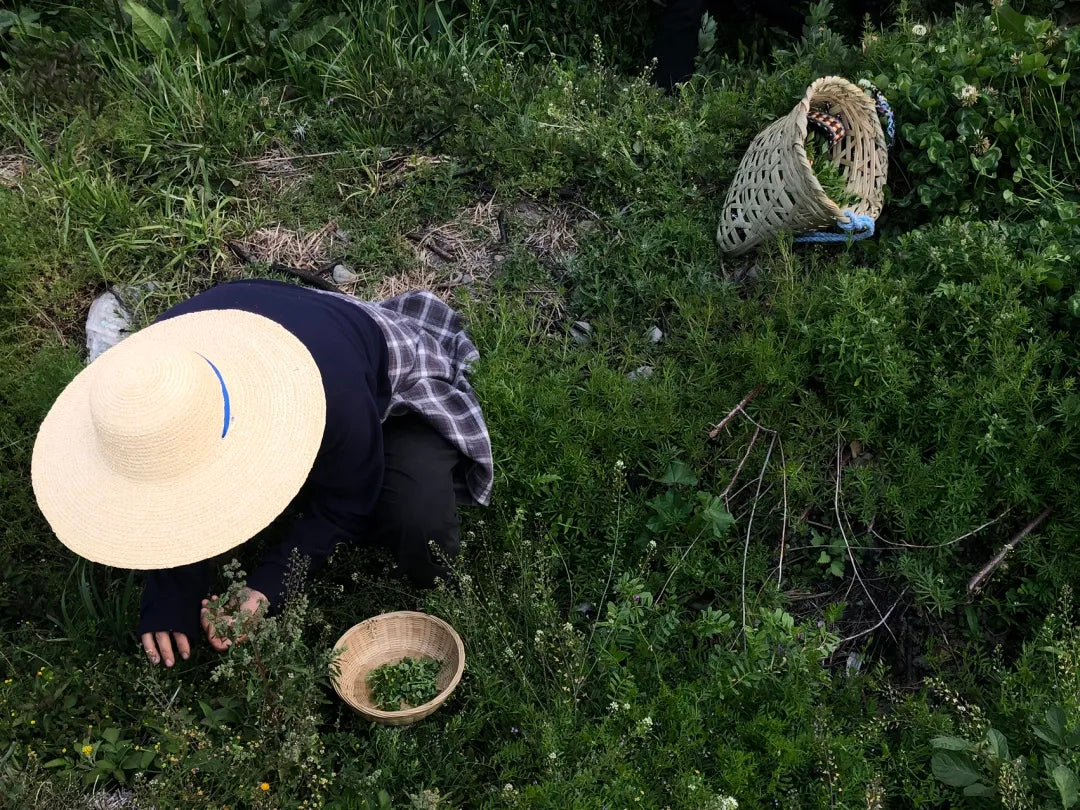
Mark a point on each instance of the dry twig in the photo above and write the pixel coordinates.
(977, 581)
(749, 526)
(723, 423)
(882, 621)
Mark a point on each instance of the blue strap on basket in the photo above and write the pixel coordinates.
(858, 226)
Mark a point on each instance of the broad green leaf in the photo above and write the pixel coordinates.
(315, 33)
(951, 744)
(1055, 719)
(55, 763)
(111, 735)
(1011, 22)
(152, 30)
(1067, 784)
(1032, 61)
(999, 746)
(679, 473)
(824, 558)
(980, 789)
(199, 24)
(1051, 78)
(25, 17)
(714, 515)
(954, 768)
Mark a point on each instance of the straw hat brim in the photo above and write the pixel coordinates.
(278, 413)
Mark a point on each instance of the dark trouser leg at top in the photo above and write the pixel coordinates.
(417, 507)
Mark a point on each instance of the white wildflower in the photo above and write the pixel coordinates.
(919, 30)
(968, 95)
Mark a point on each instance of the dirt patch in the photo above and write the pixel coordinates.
(467, 250)
(13, 167)
(470, 249)
(551, 234)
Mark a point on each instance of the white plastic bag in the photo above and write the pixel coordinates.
(108, 323)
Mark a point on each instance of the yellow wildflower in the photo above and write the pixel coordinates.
(87, 750)
(264, 786)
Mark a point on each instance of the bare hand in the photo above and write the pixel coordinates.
(158, 646)
(247, 611)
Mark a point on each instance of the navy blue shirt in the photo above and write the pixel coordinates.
(343, 487)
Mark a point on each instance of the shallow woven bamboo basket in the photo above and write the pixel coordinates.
(386, 639)
(775, 189)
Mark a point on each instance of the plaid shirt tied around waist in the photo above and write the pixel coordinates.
(429, 358)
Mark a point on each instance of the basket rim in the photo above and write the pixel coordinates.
(423, 709)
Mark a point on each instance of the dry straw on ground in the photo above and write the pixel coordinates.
(306, 250)
(277, 170)
(12, 168)
(467, 250)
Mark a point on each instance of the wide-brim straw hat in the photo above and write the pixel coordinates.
(181, 442)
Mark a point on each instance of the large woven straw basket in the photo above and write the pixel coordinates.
(776, 190)
(386, 639)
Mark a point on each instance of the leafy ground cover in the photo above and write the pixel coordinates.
(674, 601)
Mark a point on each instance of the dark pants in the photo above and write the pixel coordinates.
(416, 516)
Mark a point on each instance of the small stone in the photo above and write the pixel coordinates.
(581, 332)
(641, 373)
(343, 235)
(654, 335)
(343, 275)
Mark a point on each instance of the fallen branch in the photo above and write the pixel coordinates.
(305, 276)
(420, 242)
(276, 158)
(735, 477)
(723, 423)
(977, 581)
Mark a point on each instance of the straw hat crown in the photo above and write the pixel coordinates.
(158, 412)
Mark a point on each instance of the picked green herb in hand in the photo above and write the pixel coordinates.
(410, 682)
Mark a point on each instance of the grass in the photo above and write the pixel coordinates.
(672, 602)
